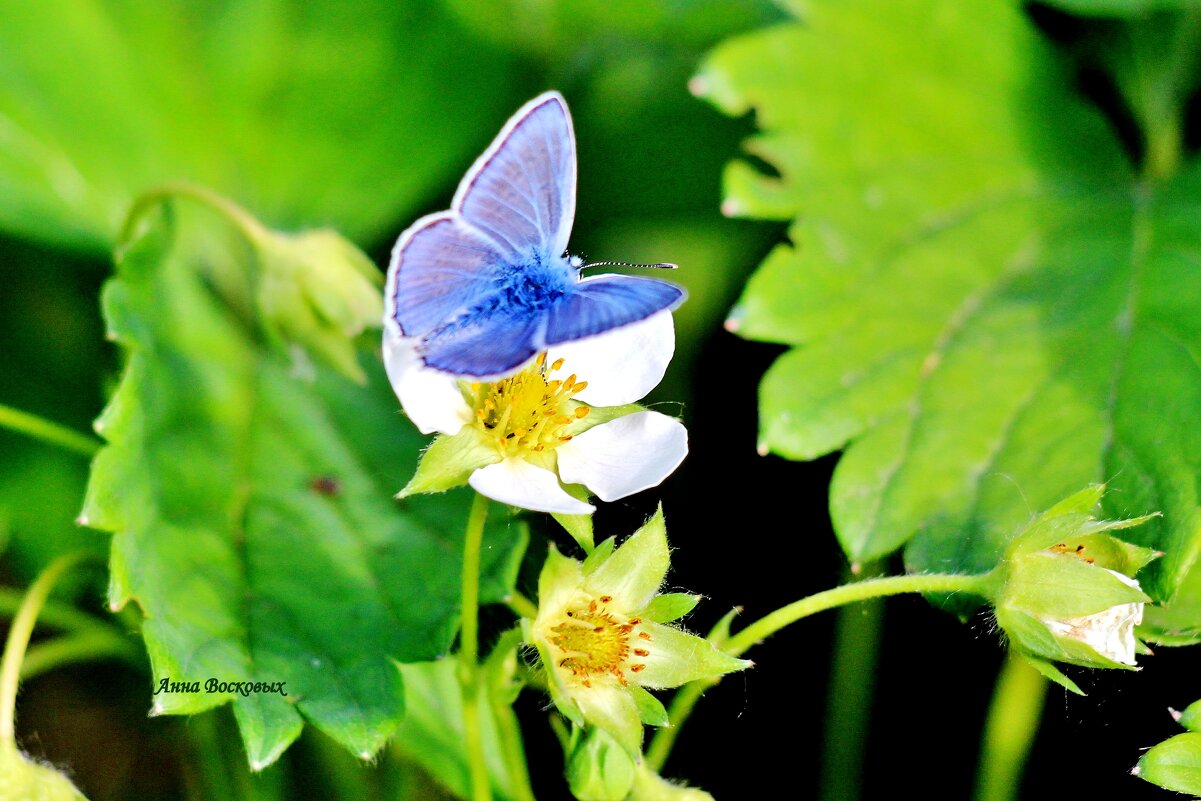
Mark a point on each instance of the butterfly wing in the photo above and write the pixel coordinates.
(599, 304)
(441, 268)
(521, 192)
(486, 344)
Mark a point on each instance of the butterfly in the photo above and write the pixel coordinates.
(485, 286)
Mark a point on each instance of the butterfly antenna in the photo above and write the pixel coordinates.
(662, 265)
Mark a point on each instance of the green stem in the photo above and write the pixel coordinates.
(252, 228)
(51, 433)
(469, 650)
(87, 647)
(53, 615)
(1013, 718)
(521, 606)
(687, 696)
(500, 667)
(848, 699)
(18, 641)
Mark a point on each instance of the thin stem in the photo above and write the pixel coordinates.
(521, 605)
(1013, 718)
(687, 696)
(44, 430)
(53, 615)
(18, 641)
(769, 624)
(500, 668)
(469, 650)
(849, 695)
(252, 228)
(74, 648)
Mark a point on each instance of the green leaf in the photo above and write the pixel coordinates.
(1053, 673)
(650, 708)
(250, 488)
(432, 732)
(311, 116)
(1174, 764)
(449, 461)
(987, 309)
(670, 606)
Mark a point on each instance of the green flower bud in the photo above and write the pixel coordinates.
(319, 292)
(599, 769)
(1068, 592)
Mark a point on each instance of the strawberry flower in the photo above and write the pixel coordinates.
(563, 427)
(602, 634)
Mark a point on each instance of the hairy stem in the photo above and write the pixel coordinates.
(687, 696)
(18, 641)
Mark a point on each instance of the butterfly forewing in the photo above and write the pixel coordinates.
(607, 302)
(440, 269)
(521, 192)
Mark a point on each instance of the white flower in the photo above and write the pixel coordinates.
(566, 419)
(1109, 632)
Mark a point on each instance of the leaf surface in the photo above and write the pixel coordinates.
(987, 309)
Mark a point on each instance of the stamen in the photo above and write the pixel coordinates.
(582, 411)
(558, 365)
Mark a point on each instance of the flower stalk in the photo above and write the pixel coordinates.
(682, 704)
(469, 645)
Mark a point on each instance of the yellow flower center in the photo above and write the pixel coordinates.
(595, 642)
(528, 411)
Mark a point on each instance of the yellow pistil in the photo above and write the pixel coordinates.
(595, 643)
(528, 411)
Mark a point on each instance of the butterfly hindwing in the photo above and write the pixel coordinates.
(440, 268)
(521, 191)
(600, 304)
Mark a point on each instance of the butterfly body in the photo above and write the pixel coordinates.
(487, 285)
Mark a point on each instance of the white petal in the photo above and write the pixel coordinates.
(519, 483)
(625, 455)
(621, 365)
(432, 400)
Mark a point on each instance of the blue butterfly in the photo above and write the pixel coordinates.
(487, 285)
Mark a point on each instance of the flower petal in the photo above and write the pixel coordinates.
(432, 400)
(519, 483)
(621, 365)
(612, 708)
(624, 456)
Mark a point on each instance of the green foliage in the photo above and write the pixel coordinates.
(307, 113)
(249, 488)
(987, 307)
(432, 732)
